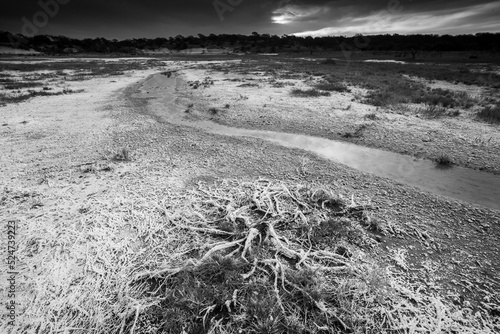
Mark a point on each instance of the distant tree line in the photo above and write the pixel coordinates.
(481, 42)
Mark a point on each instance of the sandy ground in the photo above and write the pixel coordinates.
(58, 176)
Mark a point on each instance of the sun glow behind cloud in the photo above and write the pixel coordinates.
(291, 13)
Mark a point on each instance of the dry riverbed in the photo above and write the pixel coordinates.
(104, 190)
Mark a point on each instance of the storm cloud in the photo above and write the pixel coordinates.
(123, 19)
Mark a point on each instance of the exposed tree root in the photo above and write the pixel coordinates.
(270, 265)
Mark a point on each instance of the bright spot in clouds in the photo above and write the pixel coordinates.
(291, 13)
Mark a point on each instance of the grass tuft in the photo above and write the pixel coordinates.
(122, 155)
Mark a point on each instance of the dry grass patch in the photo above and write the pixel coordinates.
(258, 257)
(333, 87)
(22, 84)
(17, 97)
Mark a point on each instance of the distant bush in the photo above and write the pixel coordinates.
(435, 100)
(5, 98)
(71, 91)
(16, 98)
(490, 114)
(22, 84)
(444, 161)
(372, 116)
(308, 93)
(392, 93)
(379, 98)
(329, 61)
(251, 84)
(434, 111)
(445, 98)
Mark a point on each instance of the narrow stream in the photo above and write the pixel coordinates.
(460, 183)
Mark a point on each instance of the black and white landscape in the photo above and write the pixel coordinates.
(236, 166)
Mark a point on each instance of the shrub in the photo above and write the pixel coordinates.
(308, 93)
(434, 111)
(435, 97)
(22, 84)
(379, 98)
(444, 161)
(401, 91)
(248, 85)
(13, 98)
(392, 93)
(262, 286)
(490, 114)
(445, 98)
(70, 91)
(329, 61)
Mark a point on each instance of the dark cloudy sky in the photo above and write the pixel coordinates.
(123, 19)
